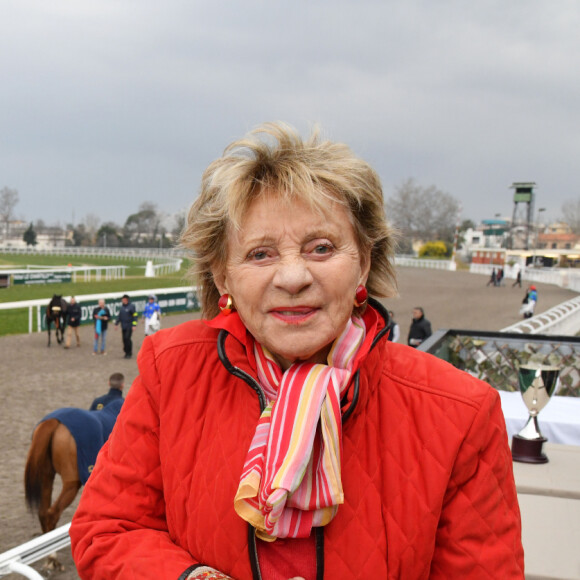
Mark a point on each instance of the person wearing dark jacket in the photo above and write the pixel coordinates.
(127, 317)
(73, 313)
(116, 384)
(420, 328)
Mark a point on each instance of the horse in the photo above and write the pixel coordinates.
(66, 442)
(56, 312)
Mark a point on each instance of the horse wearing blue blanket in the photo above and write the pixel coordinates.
(66, 442)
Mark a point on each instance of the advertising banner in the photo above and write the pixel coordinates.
(42, 277)
(170, 302)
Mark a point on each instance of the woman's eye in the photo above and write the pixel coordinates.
(322, 249)
(258, 255)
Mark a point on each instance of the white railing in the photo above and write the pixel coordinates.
(170, 266)
(424, 263)
(130, 253)
(562, 319)
(17, 559)
(167, 261)
(39, 303)
(563, 277)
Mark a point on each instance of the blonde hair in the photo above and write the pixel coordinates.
(275, 159)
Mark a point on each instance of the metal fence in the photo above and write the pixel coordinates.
(168, 266)
(411, 262)
(18, 560)
(130, 253)
(495, 357)
(563, 277)
(561, 319)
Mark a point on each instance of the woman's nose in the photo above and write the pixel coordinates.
(293, 275)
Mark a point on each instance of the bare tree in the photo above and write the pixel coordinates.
(179, 220)
(141, 228)
(422, 213)
(571, 212)
(8, 200)
(91, 223)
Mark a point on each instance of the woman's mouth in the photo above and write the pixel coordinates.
(293, 314)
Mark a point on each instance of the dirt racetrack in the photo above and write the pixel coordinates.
(35, 380)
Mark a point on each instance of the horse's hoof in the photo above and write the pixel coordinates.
(52, 564)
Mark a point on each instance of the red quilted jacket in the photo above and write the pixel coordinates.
(427, 471)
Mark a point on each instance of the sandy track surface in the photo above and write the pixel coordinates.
(35, 380)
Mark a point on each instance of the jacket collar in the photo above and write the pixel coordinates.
(369, 358)
(375, 318)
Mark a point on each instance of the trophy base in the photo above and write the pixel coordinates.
(528, 450)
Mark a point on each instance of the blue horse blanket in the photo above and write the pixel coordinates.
(90, 429)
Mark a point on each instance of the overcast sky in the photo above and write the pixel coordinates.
(105, 104)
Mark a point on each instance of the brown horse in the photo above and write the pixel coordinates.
(56, 313)
(53, 450)
(66, 442)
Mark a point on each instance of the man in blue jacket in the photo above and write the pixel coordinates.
(116, 384)
(151, 315)
(127, 317)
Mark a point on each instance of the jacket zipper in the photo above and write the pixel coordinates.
(249, 380)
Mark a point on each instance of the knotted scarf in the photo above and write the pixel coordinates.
(291, 481)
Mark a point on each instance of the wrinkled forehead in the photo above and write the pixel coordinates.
(318, 199)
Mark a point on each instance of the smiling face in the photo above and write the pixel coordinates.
(292, 274)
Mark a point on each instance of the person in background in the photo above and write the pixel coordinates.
(127, 318)
(73, 313)
(492, 279)
(116, 385)
(101, 317)
(152, 316)
(420, 328)
(283, 435)
(529, 302)
(395, 333)
(518, 281)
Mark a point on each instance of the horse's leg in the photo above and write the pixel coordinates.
(61, 328)
(47, 482)
(64, 460)
(48, 329)
(39, 472)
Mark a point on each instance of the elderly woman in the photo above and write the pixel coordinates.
(284, 436)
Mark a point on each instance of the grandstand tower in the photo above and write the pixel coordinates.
(522, 218)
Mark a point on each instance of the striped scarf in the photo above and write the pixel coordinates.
(291, 481)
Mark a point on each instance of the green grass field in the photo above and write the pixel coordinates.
(16, 321)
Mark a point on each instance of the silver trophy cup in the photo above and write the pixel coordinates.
(537, 384)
